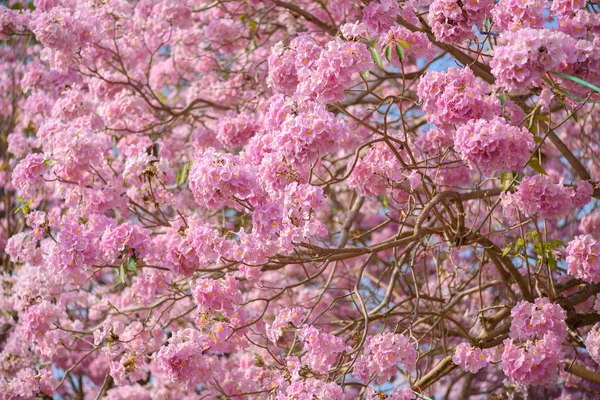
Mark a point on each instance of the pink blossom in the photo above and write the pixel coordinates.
(380, 15)
(183, 361)
(493, 145)
(592, 343)
(527, 54)
(517, 14)
(382, 353)
(455, 97)
(27, 176)
(537, 195)
(535, 363)
(583, 258)
(212, 294)
(470, 359)
(286, 317)
(534, 320)
(323, 349)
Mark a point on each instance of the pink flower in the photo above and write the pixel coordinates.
(382, 353)
(518, 14)
(380, 15)
(212, 294)
(527, 54)
(27, 177)
(583, 258)
(218, 179)
(534, 363)
(455, 97)
(470, 359)
(322, 348)
(183, 361)
(592, 343)
(286, 317)
(452, 21)
(537, 195)
(534, 320)
(234, 130)
(493, 145)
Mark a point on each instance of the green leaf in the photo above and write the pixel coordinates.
(506, 250)
(400, 52)
(122, 273)
(578, 80)
(131, 265)
(183, 173)
(575, 116)
(376, 57)
(571, 95)
(502, 97)
(366, 75)
(243, 18)
(537, 167)
(505, 180)
(388, 53)
(404, 44)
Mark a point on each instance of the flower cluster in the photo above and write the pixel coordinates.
(517, 14)
(323, 349)
(470, 359)
(218, 179)
(382, 353)
(183, 361)
(211, 294)
(592, 343)
(456, 96)
(286, 317)
(321, 73)
(380, 15)
(375, 171)
(537, 195)
(493, 145)
(452, 20)
(534, 320)
(534, 363)
(234, 130)
(527, 54)
(583, 258)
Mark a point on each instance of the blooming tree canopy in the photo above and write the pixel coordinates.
(276, 199)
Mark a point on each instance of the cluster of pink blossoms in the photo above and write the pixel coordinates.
(27, 177)
(537, 195)
(380, 15)
(534, 362)
(470, 359)
(382, 353)
(235, 130)
(182, 359)
(592, 343)
(511, 15)
(534, 320)
(286, 317)
(527, 54)
(493, 145)
(375, 171)
(218, 179)
(322, 349)
(583, 258)
(452, 20)
(321, 73)
(455, 97)
(541, 327)
(211, 294)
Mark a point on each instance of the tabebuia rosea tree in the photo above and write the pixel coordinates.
(277, 199)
